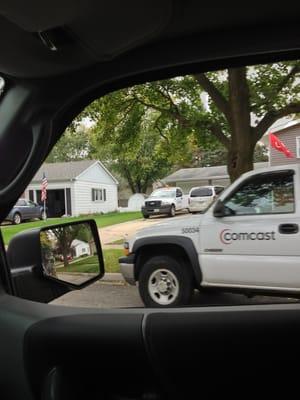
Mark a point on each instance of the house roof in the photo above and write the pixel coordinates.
(204, 173)
(282, 128)
(77, 242)
(65, 171)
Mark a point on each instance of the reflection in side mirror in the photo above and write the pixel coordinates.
(47, 262)
(70, 254)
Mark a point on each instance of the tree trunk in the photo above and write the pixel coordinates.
(239, 160)
(129, 179)
(65, 255)
(138, 187)
(242, 144)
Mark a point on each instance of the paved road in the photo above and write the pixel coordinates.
(118, 294)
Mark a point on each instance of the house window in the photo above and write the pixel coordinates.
(298, 146)
(98, 194)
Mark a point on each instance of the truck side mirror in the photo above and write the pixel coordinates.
(48, 262)
(220, 210)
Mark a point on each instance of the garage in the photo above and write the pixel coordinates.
(58, 201)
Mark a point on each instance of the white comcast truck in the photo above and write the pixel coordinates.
(248, 241)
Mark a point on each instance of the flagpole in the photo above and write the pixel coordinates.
(45, 212)
(44, 195)
(269, 149)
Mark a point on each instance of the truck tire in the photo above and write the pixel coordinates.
(146, 216)
(172, 212)
(165, 282)
(17, 219)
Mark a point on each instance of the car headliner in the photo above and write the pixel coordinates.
(88, 32)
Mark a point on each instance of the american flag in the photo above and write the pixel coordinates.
(44, 188)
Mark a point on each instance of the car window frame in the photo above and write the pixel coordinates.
(244, 182)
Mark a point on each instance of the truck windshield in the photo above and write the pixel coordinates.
(202, 192)
(163, 193)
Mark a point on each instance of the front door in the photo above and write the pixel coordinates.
(258, 243)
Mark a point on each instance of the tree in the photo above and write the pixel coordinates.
(127, 137)
(243, 103)
(74, 145)
(64, 237)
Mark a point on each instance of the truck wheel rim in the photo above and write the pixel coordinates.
(163, 287)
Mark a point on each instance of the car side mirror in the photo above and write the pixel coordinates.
(50, 261)
(220, 210)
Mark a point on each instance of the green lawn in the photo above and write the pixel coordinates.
(8, 231)
(90, 264)
(119, 241)
(111, 259)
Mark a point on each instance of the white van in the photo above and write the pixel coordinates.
(201, 197)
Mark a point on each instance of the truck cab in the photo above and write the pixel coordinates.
(248, 241)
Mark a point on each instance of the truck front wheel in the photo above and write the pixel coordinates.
(172, 211)
(165, 282)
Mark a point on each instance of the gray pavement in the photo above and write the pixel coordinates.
(108, 294)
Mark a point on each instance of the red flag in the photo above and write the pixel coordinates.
(278, 145)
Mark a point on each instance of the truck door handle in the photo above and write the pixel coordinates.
(288, 228)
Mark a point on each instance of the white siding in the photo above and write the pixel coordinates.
(96, 174)
(83, 198)
(94, 177)
(289, 138)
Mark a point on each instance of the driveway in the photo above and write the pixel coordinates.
(116, 232)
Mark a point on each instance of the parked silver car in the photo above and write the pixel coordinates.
(24, 210)
(201, 197)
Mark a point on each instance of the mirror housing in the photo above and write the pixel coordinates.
(29, 260)
(220, 210)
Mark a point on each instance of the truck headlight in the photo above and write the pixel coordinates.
(165, 203)
(126, 248)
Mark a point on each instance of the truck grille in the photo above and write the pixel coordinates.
(152, 204)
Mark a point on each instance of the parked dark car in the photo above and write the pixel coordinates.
(24, 210)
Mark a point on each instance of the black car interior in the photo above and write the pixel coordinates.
(56, 57)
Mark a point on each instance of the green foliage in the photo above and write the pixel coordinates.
(74, 145)
(218, 156)
(148, 130)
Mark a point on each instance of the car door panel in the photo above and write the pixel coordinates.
(76, 342)
(226, 353)
(144, 353)
(96, 345)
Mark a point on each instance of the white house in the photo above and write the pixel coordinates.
(80, 248)
(74, 188)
